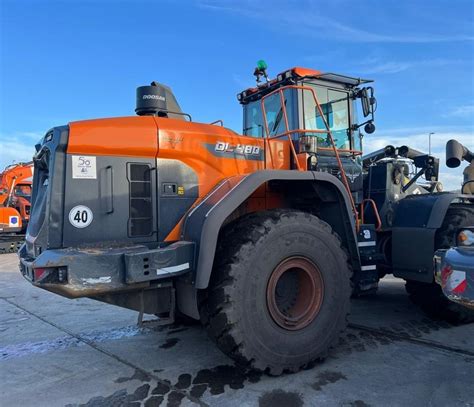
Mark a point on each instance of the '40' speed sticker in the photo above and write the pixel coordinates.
(80, 216)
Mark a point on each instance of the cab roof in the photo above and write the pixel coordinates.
(298, 73)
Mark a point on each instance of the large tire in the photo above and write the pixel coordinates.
(249, 310)
(429, 296)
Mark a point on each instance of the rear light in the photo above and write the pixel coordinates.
(51, 275)
(38, 274)
(62, 275)
(445, 273)
(466, 238)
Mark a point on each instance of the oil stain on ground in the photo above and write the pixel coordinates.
(359, 403)
(170, 342)
(138, 375)
(327, 377)
(280, 398)
(119, 398)
(355, 403)
(163, 393)
(216, 379)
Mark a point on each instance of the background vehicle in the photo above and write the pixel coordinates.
(454, 267)
(262, 236)
(15, 197)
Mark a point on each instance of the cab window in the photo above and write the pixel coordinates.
(335, 108)
(357, 139)
(22, 190)
(253, 118)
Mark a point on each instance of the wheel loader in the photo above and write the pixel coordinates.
(454, 264)
(263, 236)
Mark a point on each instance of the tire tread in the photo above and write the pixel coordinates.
(220, 320)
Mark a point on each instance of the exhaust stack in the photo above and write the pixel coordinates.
(456, 152)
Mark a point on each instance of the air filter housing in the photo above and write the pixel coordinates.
(157, 100)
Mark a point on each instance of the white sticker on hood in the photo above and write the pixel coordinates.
(84, 167)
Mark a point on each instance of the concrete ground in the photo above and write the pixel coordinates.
(57, 352)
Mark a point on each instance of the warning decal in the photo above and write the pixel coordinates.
(84, 167)
(13, 221)
(456, 282)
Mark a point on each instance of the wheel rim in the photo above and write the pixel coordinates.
(295, 293)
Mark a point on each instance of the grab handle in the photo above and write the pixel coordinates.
(109, 189)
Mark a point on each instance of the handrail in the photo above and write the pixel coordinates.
(218, 121)
(341, 150)
(376, 212)
(289, 132)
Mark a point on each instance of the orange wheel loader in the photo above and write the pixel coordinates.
(263, 236)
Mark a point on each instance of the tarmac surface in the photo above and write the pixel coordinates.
(60, 352)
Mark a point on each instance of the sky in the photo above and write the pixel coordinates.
(68, 60)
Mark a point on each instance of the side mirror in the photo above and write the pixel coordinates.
(369, 128)
(365, 99)
(368, 101)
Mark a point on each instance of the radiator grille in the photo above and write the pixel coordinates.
(141, 207)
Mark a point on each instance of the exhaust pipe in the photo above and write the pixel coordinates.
(407, 152)
(387, 151)
(456, 152)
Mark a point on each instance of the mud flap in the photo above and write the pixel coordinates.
(161, 320)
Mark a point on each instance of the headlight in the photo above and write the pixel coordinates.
(466, 237)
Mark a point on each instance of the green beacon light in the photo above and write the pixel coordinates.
(262, 65)
(261, 70)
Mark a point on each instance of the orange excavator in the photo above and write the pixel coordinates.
(15, 203)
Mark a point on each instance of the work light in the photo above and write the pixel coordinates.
(466, 238)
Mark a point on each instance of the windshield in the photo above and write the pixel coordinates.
(335, 107)
(23, 191)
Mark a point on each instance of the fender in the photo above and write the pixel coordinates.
(203, 223)
(416, 220)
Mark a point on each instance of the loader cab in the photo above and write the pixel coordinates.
(304, 105)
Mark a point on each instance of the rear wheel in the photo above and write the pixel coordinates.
(279, 292)
(429, 296)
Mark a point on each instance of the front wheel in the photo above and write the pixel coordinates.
(280, 291)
